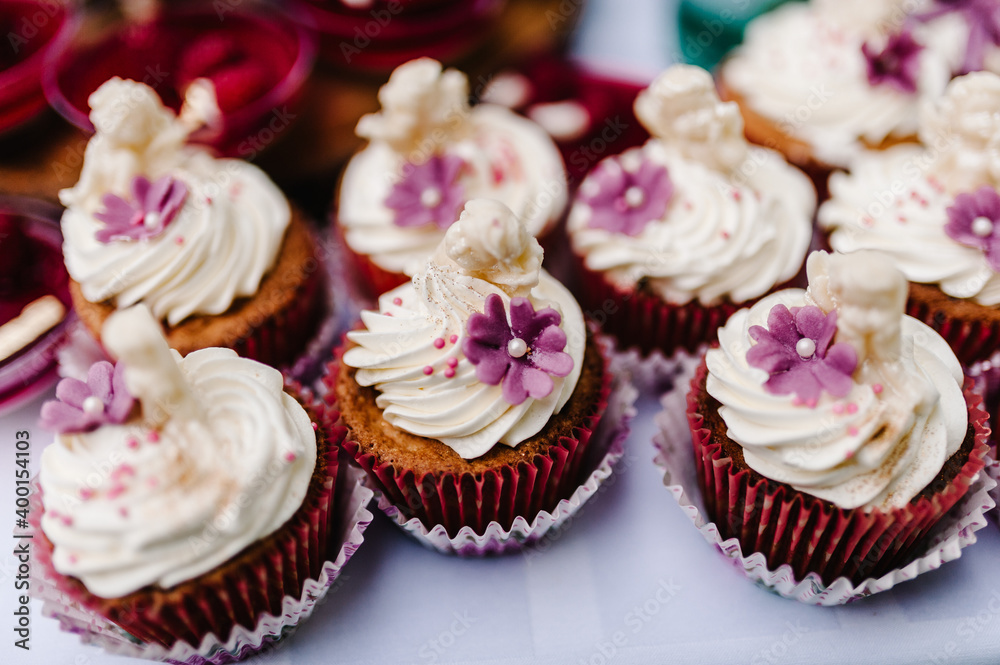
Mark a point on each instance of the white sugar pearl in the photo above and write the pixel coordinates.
(805, 347)
(93, 405)
(982, 226)
(430, 197)
(634, 197)
(517, 348)
(151, 220)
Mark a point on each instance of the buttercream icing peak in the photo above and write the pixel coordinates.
(419, 100)
(490, 243)
(682, 109)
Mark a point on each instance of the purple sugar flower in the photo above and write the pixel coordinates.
(983, 19)
(896, 65)
(624, 201)
(795, 350)
(429, 193)
(152, 208)
(521, 354)
(974, 220)
(81, 407)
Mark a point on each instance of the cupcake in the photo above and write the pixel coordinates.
(211, 246)
(210, 500)
(932, 210)
(830, 430)
(428, 153)
(471, 394)
(823, 80)
(672, 237)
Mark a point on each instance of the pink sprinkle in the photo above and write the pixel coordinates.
(123, 470)
(153, 436)
(737, 195)
(208, 200)
(153, 482)
(725, 235)
(914, 195)
(179, 240)
(688, 205)
(449, 372)
(439, 343)
(924, 203)
(68, 521)
(72, 558)
(388, 313)
(838, 408)
(86, 493)
(850, 454)
(867, 220)
(123, 511)
(453, 339)
(132, 442)
(116, 491)
(315, 427)
(397, 301)
(290, 457)
(901, 218)
(235, 190)
(852, 408)
(877, 388)
(452, 362)
(428, 370)
(852, 430)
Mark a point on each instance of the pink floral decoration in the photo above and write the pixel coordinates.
(429, 193)
(974, 220)
(795, 350)
(897, 65)
(152, 208)
(623, 201)
(81, 407)
(983, 19)
(521, 354)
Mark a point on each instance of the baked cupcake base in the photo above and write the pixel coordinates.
(239, 593)
(426, 479)
(809, 534)
(273, 326)
(971, 330)
(944, 542)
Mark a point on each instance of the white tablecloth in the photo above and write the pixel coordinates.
(630, 582)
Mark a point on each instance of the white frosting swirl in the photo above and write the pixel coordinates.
(422, 324)
(890, 436)
(230, 463)
(739, 220)
(895, 201)
(425, 112)
(220, 244)
(802, 67)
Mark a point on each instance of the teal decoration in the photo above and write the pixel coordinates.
(708, 29)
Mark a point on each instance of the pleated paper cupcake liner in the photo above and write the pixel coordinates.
(645, 321)
(606, 447)
(935, 545)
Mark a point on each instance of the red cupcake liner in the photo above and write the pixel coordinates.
(645, 321)
(812, 535)
(294, 554)
(971, 341)
(278, 340)
(497, 495)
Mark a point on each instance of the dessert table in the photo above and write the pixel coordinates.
(630, 580)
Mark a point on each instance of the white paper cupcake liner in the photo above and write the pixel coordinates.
(654, 372)
(608, 441)
(352, 498)
(675, 457)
